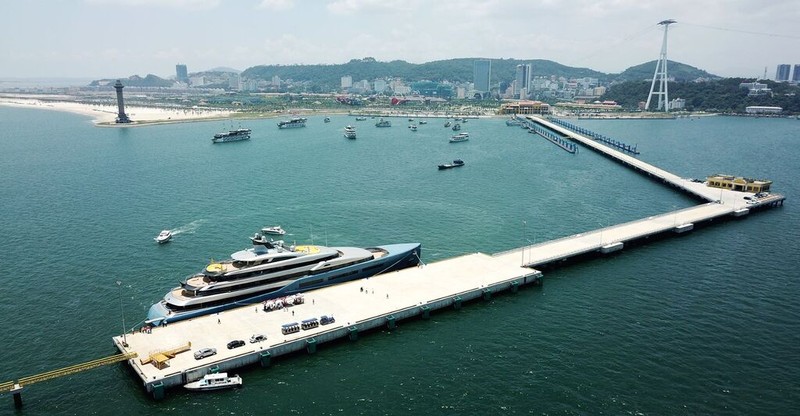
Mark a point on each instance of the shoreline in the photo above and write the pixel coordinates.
(105, 115)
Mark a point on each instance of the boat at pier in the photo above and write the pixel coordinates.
(293, 123)
(271, 270)
(232, 136)
(214, 381)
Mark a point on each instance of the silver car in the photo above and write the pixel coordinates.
(258, 338)
(204, 352)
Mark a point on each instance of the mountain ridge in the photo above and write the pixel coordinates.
(327, 77)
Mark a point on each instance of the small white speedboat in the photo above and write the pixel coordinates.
(276, 230)
(163, 236)
(214, 382)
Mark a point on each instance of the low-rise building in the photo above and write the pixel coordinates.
(762, 109)
(738, 183)
(525, 107)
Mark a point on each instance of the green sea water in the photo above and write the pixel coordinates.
(705, 323)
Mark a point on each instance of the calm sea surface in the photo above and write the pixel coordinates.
(706, 323)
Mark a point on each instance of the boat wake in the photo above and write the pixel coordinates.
(188, 228)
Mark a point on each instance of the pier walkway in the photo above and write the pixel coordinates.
(613, 238)
(695, 189)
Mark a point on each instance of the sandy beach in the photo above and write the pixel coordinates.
(105, 115)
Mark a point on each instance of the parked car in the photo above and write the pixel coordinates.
(258, 338)
(235, 344)
(204, 352)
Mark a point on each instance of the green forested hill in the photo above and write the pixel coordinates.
(723, 95)
(328, 77)
(675, 70)
(136, 81)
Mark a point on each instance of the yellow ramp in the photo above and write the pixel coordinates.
(24, 381)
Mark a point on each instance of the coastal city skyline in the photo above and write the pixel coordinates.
(119, 38)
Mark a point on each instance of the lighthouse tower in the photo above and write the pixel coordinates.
(121, 116)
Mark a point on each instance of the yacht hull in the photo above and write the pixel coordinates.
(399, 256)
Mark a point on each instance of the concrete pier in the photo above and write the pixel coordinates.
(357, 306)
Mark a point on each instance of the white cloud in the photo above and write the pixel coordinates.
(276, 5)
(373, 6)
(173, 4)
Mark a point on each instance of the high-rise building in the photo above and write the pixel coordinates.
(523, 81)
(796, 73)
(181, 73)
(234, 82)
(482, 74)
(380, 86)
(782, 74)
(347, 81)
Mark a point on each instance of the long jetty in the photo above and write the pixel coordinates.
(163, 357)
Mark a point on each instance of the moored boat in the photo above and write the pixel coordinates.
(292, 123)
(232, 136)
(383, 123)
(360, 118)
(271, 270)
(456, 163)
(350, 132)
(215, 381)
(460, 137)
(456, 127)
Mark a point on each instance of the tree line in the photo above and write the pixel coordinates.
(723, 95)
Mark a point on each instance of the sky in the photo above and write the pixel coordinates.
(119, 38)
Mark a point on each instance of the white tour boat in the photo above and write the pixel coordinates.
(276, 230)
(214, 382)
(163, 236)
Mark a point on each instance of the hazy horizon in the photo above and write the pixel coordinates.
(99, 39)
